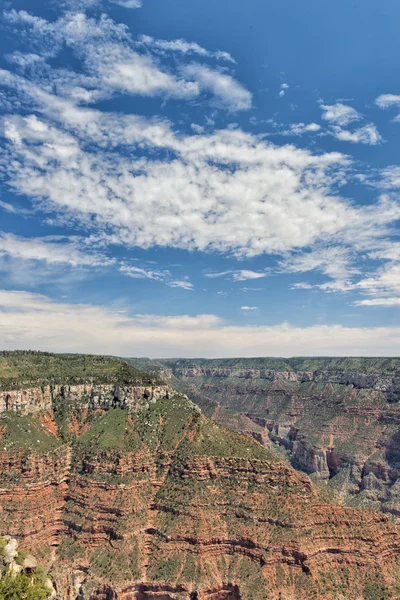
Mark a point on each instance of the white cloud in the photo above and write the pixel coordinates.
(390, 177)
(382, 286)
(387, 100)
(215, 275)
(34, 321)
(128, 3)
(227, 191)
(301, 129)
(164, 276)
(50, 250)
(245, 274)
(112, 63)
(228, 92)
(139, 182)
(334, 261)
(183, 47)
(368, 134)
(184, 284)
(301, 286)
(239, 275)
(284, 87)
(340, 114)
(249, 308)
(385, 280)
(138, 273)
(9, 207)
(379, 302)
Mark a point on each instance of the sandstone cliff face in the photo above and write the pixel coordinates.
(36, 399)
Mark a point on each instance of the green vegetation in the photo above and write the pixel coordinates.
(348, 363)
(29, 584)
(25, 432)
(21, 369)
(276, 364)
(362, 364)
(23, 587)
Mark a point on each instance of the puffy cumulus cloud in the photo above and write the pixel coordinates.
(51, 250)
(34, 321)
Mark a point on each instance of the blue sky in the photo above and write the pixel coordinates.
(200, 178)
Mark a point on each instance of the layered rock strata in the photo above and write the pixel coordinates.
(36, 399)
(340, 426)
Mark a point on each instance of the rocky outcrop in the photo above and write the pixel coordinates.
(36, 399)
(33, 487)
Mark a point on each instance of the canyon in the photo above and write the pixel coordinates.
(337, 421)
(125, 489)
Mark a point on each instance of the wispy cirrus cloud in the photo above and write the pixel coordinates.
(157, 275)
(240, 275)
(128, 3)
(183, 47)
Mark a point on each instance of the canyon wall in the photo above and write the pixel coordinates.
(339, 426)
(36, 399)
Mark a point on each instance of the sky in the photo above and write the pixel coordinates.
(200, 178)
